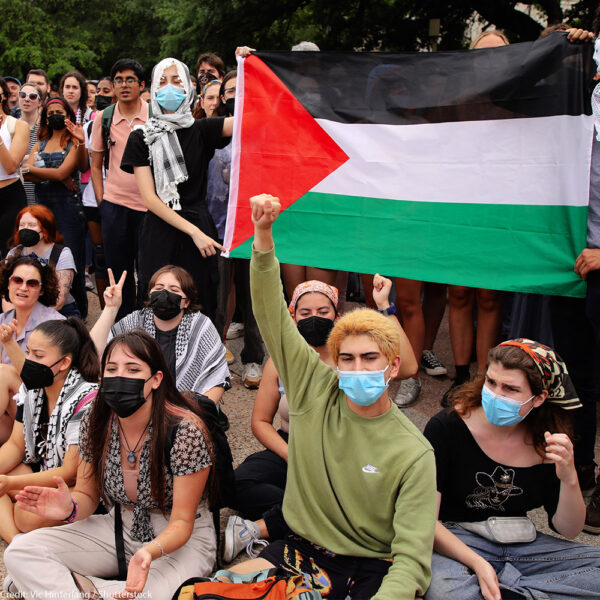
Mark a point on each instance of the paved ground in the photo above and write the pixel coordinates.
(238, 406)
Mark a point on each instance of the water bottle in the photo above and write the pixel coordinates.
(38, 161)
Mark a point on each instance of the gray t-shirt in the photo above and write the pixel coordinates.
(593, 234)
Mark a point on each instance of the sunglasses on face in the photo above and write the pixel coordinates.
(34, 284)
(31, 95)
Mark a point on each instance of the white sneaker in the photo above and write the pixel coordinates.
(432, 365)
(9, 588)
(241, 534)
(252, 375)
(235, 330)
(408, 393)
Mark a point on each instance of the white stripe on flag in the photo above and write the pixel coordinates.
(538, 161)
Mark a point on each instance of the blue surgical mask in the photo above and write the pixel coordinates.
(500, 410)
(170, 97)
(363, 387)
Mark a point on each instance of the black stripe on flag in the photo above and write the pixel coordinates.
(548, 77)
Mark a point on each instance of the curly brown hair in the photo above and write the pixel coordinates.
(547, 417)
(47, 273)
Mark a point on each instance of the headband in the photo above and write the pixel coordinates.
(212, 82)
(555, 377)
(313, 286)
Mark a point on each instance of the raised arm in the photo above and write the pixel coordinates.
(113, 296)
(381, 296)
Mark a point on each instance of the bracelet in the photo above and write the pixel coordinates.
(390, 310)
(162, 552)
(73, 514)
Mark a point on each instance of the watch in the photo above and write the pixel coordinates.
(390, 310)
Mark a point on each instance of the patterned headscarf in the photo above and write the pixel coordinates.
(313, 286)
(555, 377)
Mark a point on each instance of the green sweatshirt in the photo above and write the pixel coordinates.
(357, 486)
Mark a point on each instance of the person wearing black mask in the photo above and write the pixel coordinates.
(260, 479)
(54, 164)
(58, 380)
(159, 499)
(189, 341)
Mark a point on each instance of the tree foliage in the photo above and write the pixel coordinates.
(90, 36)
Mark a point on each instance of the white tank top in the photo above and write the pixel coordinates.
(7, 141)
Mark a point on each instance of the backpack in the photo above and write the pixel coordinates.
(270, 584)
(77, 287)
(107, 117)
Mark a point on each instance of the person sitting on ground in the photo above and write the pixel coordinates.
(57, 382)
(360, 493)
(157, 494)
(503, 449)
(193, 351)
(36, 235)
(260, 479)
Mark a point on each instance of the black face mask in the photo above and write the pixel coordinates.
(125, 395)
(315, 330)
(29, 237)
(35, 375)
(230, 105)
(203, 79)
(165, 304)
(56, 122)
(102, 101)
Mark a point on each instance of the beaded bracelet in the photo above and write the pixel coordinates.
(162, 552)
(73, 514)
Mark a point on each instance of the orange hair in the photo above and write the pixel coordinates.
(45, 218)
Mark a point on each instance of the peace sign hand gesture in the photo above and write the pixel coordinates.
(113, 294)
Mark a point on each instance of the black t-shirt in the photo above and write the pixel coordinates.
(198, 144)
(474, 487)
(166, 340)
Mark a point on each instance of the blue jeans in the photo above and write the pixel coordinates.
(547, 568)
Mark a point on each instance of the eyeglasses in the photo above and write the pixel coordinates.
(119, 81)
(31, 95)
(34, 284)
(229, 92)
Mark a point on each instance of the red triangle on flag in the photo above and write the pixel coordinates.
(283, 151)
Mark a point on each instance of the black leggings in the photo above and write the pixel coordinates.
(12, 200)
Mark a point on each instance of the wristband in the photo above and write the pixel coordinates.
(73, 514)
(162, 552)
(390, 310)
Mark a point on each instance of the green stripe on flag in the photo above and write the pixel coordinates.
(521, 248)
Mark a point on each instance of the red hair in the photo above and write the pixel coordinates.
(45, 218)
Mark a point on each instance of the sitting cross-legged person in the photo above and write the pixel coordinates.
(360, 494)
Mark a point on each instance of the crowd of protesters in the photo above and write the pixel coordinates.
(108, 462)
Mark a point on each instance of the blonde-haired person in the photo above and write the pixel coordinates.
(260, 479)
(350, 449)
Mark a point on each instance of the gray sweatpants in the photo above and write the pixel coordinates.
(41, 562)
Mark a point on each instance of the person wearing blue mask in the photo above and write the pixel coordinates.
(503, 449)
(169, 157)
(360, 492)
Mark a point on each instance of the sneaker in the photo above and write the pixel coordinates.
(445, 402)
(252, 375)
(235, 330)
(89, 284)
(408, 392)
(9, 588)
(229, 357)
(432, 365)
(241, 534)
(592, 515)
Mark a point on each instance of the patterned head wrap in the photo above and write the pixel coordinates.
(313, 286)
(555, 377)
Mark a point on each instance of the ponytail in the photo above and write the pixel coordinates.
(72, 337)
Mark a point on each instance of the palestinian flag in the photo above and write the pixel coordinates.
(467, 167)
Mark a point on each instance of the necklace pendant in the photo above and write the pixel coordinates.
(131, 458)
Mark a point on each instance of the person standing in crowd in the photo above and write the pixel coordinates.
(120, 203)
(63, 155)
(209, 66)
(35, 235)
(234, 273)
(209, 104)
(146, 450)
(59, 380)
(92, 90)
(30, 101)
(339, 547)
(170, 157)
(14, 136)
(40, 78)
(73, 88)
(106, 93)
(14, 85)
